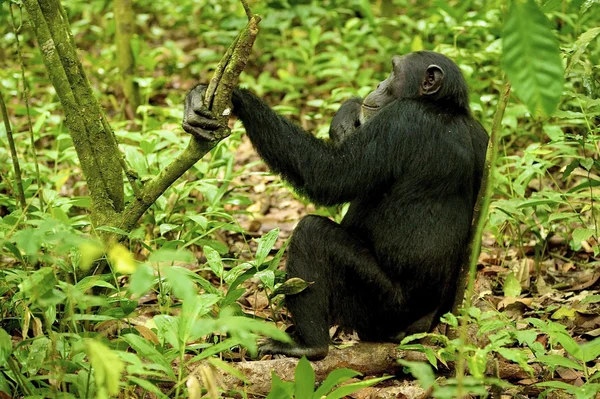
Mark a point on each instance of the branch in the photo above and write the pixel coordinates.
(224, 80)
(369, 359)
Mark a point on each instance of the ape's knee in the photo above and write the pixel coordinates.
(311, 224)
(310, 232)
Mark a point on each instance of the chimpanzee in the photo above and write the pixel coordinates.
(409, 159)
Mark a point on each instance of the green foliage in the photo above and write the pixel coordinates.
(303, 385)
(172, 294)
(531, 57)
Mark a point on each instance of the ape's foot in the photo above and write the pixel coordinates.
(272, 347)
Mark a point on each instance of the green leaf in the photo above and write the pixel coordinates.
(587, 163)
(267, 277)
(181, 283)
(280, 389)
(214, 260)
(334, 378)
(265, 244)
(518, 356)
(580, 235)
(351, 388)
(274, 263)
(531, 57)
(225, 366)
(147, 386)
(556, 360)
(5, 346)
(141, 281)
(172, 255)
(512, 286)
(292, 286)
(147, 351)
(590, 350)
(304, 379)
(421, 371)
(39, 286)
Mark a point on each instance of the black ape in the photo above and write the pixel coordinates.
(409, 159)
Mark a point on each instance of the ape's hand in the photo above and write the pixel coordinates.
(198, 120)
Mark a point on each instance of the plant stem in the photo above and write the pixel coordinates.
(487, 189)
(13, 152)
(26, 99)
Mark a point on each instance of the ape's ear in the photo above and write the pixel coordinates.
(432, 82)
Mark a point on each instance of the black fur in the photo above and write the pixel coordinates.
(411, 174)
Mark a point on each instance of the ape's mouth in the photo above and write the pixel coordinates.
(370, 107)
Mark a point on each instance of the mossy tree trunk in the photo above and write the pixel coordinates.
(101, 160)
(97, 150)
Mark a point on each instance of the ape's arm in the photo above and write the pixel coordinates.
(345, 121)
(327, 175)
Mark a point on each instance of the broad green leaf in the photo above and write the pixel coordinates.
(147, 386)
(590, 350)
(214, 260)
(267, 277)
(351, 388)
(172, 255)
(478, 363)
(580, 235)
(304, 379)
(39, 285)
(265, 244)
(531, 57)
(421, 371)
(518, 356)
(141, 281)
(334, 378)
(147, 351)
(581, 44)
(5, 346)
(280, 389)
(181, 283)
(274, 263)
(587, 163)
(512, 286)
(292, 286)
(227, 367)
(37, 354)
(556, 360)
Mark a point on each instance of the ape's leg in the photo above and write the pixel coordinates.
(339, 264)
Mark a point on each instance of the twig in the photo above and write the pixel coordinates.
(27, 110)
(13, 152)
(247, 9)
(221, 87)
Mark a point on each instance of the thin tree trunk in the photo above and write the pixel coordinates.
(124, 26)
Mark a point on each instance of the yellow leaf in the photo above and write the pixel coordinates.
(107, 367)
(121, 259)
(60, 180)
(564, 312)
(90, 251)
(417, 44)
